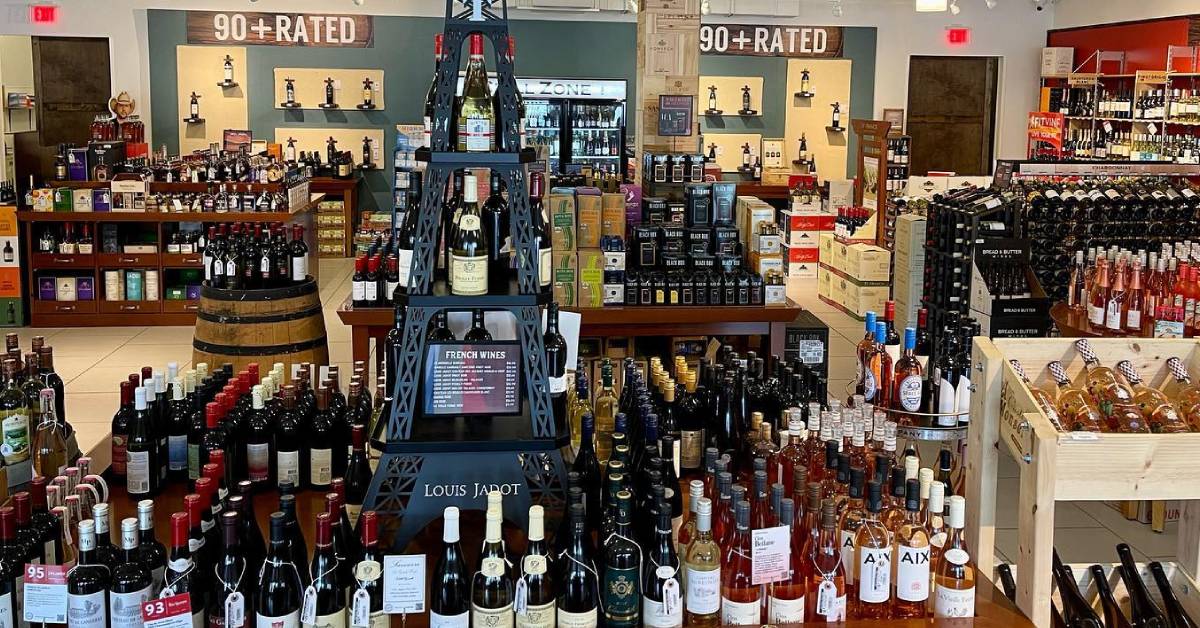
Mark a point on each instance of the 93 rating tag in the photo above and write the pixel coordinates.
(45, 594)
(168, 612)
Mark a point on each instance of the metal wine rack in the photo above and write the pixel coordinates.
(419, 475)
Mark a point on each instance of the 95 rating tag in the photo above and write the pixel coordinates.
(168, 612)
(45, 594)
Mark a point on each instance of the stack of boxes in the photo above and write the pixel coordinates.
(853, 277)
(586, 231)
(331, 228)
(909, 270)
(802, 226)
(760, 235)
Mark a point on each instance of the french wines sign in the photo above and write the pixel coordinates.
(771, 40)
(280, 29)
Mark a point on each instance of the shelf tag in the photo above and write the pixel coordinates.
(770, 554)
(360, 609)
(174, 611)
(45, 598)
(308, 608)
(235, 610)
(404, 584)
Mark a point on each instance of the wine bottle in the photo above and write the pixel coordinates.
(325, 599)
(320, 446)
(786, 601)
(358, 474)
(141, 449)
(826, 599)
(740, 599)
(132, 583)
(1143, 612)
(491, 589)
(475, 115)
(450, 597)
(1113, 617)
(703, 571)
(232, 585)
(279, 589)
(469, 252)
(535, 599)
(911, 556)
(954, 579)
(181, 576)
(578, 589)
(366, 602)
(151, 551)
(87, 584)
(1173, 609)
(873, 559)
(662, 600)
(290, 461)
(260, 441)
(1076, 611)
(622, 579)
(1009, 585)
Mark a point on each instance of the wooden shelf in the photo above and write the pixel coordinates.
(62, 260)
(130, 307)
(183, 260)
(127, 260)
(177, 186)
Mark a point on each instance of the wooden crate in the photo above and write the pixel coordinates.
(1059, 466)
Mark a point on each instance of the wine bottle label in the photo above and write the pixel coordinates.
(358, 290)
(492, 617)
(703, 590)
(332, 620)
(461, 620)
(586, 619)
(177, 453)
(404, 265)
(352, 512)
(320, 471)
(740, 613)
(962, 397)
(469, 273)
(912, 573)
(946, 402)
(544, 266)
(620, 591)
(258, 461)
(137, 472)
(691, 450)
(1112, 318)
(476, 132)
(83, 611)
(291, 620)
(287, 467)
(847, 555)
(558, 385)
(390, 288)
(428, 135)
(654, 614)
(126, 608)
(875, 574)
(15, 425)
(785, 611)
(539, 616)
(910, 393)
(1095, 315)
(119, 454)
(372, 291)
(949, 602)
(299, 268)
(1133, 319)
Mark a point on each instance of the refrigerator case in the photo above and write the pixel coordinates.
(581, 120)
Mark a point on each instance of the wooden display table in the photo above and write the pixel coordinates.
(675, 320)
(993, 610)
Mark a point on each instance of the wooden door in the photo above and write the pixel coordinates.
(952, 113)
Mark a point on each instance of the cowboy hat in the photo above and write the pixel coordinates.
(122, 98)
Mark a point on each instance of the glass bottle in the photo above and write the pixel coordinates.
(954, 577)
(578, 594)
(1044, 399)
(491, 589)
(786, 602)
(132, 584)
(450, 594)
(826, 592)
(87, 583)
(662, 595)
(741, 600)
(1152, 403)
(911, 558)
(1116, 401)
(536, 609)
(849, 521)
(1077, 411)
(14, 416)
(702, 572)
(279, 588)
(873, 560)
(329, 606)
(49, 447)
(605, 412)
(476, 116)
(1186, 395)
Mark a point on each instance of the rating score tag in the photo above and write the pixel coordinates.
(45, 594)
(168, 612)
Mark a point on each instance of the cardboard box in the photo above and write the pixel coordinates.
(926, 187)
(566, 278)
(588, 220)
(800, 255)
(591, 278)
(633, 203)
(824, 283)
(860, 299)
(867, 262)
(825, 245)
(791, 220)
(807, 338)
(612, 215)
(762, 263)
(804, 270)
(1057, 61)
(803, 239)
(562, 223)
(81, 200)
(841, 194)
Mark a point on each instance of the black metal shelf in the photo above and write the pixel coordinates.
(456, 159)
(441, 297)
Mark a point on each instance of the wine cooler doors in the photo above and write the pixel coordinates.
(597, 136)
(544, 127)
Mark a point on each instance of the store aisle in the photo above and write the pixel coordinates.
(92, 361)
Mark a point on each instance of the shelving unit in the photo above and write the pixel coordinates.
(1071, 466)
(345, 191)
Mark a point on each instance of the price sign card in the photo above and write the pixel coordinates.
(770, 554)
(404, 584)
(45, 594)
(477, 378)
(168, 612)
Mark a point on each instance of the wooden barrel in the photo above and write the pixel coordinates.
(264, 326)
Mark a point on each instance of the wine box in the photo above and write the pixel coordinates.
(1070, 466)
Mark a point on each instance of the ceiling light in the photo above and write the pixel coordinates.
(930, 6)
(836, 8)
(954, 10)
(704, 7)
(991, 4)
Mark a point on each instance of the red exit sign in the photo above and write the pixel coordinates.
(43, 13)
(958, 35)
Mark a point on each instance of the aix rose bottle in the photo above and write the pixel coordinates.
(1152, 403)
(1077, 411)
(1187, 395)
(1115, 400)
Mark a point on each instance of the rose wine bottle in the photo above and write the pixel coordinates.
(910, 557)
(954, 579)
(826, 596)
(786, 602)
(741, 603)
(873, 560)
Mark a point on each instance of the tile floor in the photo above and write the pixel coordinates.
(92, 361)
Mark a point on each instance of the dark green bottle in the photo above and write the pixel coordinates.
(621, 587)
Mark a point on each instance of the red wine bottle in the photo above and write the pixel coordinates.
(1143, 613)
(151, 551)
(1174, 609)
(329, 606)
(296, 543)
(366, 600)
(181, 575)
(232, 583)
(279, 589)
(358, 474)
(132, 583)
(87, 583)
(450, 593)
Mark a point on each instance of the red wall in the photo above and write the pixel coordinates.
(1144, 43)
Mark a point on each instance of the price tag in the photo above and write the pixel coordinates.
(308, 607)
(168, 612)
(770, 554)
(360, 609)
(235, 610)
(1108, 127)
(1152, 128)
(404, 584)
(45, 594)
(1083, 436)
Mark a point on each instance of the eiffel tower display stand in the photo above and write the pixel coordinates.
(431, 462)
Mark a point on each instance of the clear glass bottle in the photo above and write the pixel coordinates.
(702, 568)
(1152, 403)
(49, 446)
(826, 598)
(1116, 401)
(911, 558)
(954, 577)
(1077, 411)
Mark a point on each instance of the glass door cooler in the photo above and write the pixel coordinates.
(597, 135)
(544, 127)
(581, 120)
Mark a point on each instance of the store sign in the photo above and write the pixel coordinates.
(1045, 126)
(280, 29)
(591, 89)
(771, 40)
(479, 378)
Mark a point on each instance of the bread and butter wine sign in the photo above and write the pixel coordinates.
(324, 30)
(771, 40)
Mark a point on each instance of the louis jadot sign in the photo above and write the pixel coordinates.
(771, 40)
(280, 29)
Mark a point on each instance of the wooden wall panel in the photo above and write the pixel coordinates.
(199, 69)
(829, 81)
(310, 86)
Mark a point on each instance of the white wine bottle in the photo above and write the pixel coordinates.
(476, 117)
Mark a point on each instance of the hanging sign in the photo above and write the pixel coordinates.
(771, 40)
(280, 29)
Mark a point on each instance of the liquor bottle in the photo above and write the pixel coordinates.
(151, 551)
(277, 604)
(1120, 412)
(825, 600)
(621, 587)
(1076, 611)
(141, 449)
(475, 115)
(1152, 403)
(329, 605)
(320, 445)
(358, 474)
(702, 563)
(1077, 411)
(1143, 612)
(450, 595)
(954, 577)
(49, 448)
(741, 602)
(662, 599)
(1113, 617)
(132, 584)
(786, 601)
(873, 560)
(606, 412)
(468, 257)
(87, 584)
(492, 589)
(1176, 615)
(911, 558)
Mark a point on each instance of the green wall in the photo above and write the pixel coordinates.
(404, 50)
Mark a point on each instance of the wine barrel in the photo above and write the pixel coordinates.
(264, 326)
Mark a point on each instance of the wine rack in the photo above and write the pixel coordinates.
(427, 465)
